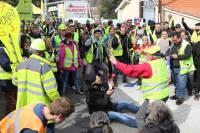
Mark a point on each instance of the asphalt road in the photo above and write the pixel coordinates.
(186, 115)
(79, 121)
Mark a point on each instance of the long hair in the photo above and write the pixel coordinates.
(100, 120)
(158, 112)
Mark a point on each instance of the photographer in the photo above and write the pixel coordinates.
(98, 99)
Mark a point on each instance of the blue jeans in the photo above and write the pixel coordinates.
(66, 80)
(180, 83)
(122, 118)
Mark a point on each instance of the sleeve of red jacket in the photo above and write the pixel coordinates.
(61, 56)
(135, 71)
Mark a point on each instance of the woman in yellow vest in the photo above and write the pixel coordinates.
(69, 62)
(34, 117)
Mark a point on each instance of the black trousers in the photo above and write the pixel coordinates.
(59, 81)
(197, 80)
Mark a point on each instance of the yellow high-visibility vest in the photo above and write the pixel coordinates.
(187, 65)
(156, 87)
(71, 58)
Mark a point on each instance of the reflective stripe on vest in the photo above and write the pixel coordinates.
(187, 65)
(71, 57)
(35, 79)
(17, 121)
(118, 51)
(162, 87)
(156, 87)
(3, 74)
(195, 37)
(12, 127)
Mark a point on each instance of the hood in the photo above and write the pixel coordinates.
(168, 126)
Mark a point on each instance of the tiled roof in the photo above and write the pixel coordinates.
(189, 7)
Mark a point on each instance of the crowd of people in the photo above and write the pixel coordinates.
(87, 58)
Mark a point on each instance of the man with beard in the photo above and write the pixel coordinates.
(181, 63)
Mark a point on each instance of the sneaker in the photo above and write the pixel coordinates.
(179, 101)
(196, 97)
(174, 97)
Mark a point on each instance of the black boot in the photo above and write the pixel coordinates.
(174, 97)
(179, 101)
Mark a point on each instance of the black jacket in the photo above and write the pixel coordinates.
(126, 46)
(196, 54)
(187, 28)
(115, 43)
(4, 60)
(96, 98)
(5, 85)
(174, 50)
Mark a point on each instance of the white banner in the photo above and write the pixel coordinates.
(76, 9)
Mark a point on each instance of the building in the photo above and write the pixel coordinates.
(129, 9)
(158, 10)
(189, 9)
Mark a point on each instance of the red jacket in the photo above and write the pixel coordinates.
(135, 71)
